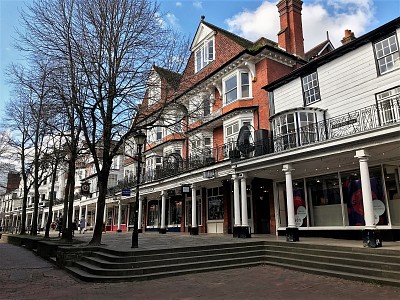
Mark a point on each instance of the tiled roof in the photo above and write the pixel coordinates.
(173, 79)
(237, 39)
(312, 53)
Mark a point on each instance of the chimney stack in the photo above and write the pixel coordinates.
(348, 37)
(290, 37)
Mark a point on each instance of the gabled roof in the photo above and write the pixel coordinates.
(325, 46)
(237, 39)
(369, 37)
(173, 79)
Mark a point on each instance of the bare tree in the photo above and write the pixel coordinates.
(109, 46)
(35, 90)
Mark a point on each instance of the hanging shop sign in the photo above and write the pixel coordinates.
(85, 188)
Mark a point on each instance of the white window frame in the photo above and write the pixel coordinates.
(203, 56)
(239, 86)
(311, 91)
(387, 54)
(389, 105)
(231, 138)
(290, 133)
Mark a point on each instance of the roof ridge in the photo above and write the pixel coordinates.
(238, 39)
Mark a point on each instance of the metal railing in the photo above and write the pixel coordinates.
(361, 120)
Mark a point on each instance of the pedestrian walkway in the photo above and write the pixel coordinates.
(24, 275)
(153, 240)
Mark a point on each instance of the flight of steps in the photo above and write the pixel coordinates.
(371, 265)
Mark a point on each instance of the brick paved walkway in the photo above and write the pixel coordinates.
(23, 275)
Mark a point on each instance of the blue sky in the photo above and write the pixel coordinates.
(250, 19)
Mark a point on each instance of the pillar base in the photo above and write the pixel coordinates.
(372, 238)
(119, 230)
(163, 230)
(292, 234)
(140, 230)
(194, 230)
(241, 232)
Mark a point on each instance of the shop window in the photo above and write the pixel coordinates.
(352, 196)
(299, 203)
(175, 212)
(311, 89)
(387, 54)
(215, 204)
(391, 175)
(153, 213)
(324, 200)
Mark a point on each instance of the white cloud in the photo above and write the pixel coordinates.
(178, 4)
(318, 17)
(197, 4)
(172, 20)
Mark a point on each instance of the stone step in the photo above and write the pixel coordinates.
(180, 250)
(357, 250)
(194, 257)
(375, 279)
(334, 267)
(225, 262)
(85, 276)
(151, 256)
(342, 252)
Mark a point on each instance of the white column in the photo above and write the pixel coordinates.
(95, 214)
(163, 205)
(236, 199)
(105, 213)
(194, 207)
(369, 217)
(140, 213)
(80, 212)
(73, 213)
(43, 218)
(243, 188)
(86, 214)
(53, 218)
(119, 216)
(289, 195)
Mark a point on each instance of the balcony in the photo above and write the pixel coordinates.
(362, 120)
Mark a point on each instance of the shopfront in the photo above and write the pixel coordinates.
(335, 201)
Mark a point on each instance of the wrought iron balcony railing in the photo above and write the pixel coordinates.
(361, 120)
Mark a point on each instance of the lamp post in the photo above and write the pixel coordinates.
(140, 139)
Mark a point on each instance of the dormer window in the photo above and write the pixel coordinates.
(204, 55)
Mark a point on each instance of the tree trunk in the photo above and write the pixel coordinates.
(50, 216)
(23, 216)
(101, 200)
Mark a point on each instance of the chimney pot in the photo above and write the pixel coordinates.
(348, 36)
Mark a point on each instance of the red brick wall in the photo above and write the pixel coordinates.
(225, 49)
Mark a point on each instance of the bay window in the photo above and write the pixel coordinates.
(294, 129)
(237, 86)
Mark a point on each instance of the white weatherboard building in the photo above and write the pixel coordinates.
(336, 142)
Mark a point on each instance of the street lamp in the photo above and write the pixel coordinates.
(140, 139)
